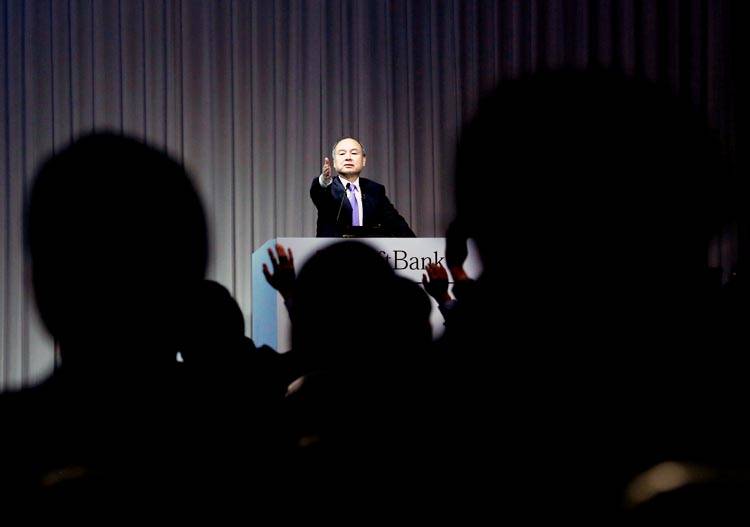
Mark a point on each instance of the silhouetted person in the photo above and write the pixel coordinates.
(354, 413)
(216, 353)
(117, 239)
(232, 392)
(214, 329)
(592, 199)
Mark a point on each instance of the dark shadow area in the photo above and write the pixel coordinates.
(592, 349)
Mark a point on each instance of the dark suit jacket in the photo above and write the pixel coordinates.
(335, 212)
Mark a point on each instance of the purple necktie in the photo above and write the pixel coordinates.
(353, 201)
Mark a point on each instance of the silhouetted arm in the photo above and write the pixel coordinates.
(456, 252)
(283, 276)
(437, 287)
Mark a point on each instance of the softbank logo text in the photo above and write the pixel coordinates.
(400, 260)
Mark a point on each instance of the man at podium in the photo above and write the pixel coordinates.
(349, 205)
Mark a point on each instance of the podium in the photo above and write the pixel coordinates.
(407, 256)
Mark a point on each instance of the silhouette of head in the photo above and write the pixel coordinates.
(588, 170)
(214, 330)
(346, 289)
(117, 236)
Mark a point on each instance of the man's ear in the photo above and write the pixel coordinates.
(364, 161)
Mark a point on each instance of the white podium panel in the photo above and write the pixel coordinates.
(407, 256)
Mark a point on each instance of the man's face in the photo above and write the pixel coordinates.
(348, 158)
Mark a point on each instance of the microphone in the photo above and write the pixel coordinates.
(341, 204)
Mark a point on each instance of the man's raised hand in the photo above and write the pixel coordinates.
(326, 169)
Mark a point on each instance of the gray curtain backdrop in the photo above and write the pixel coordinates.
(252, 94)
